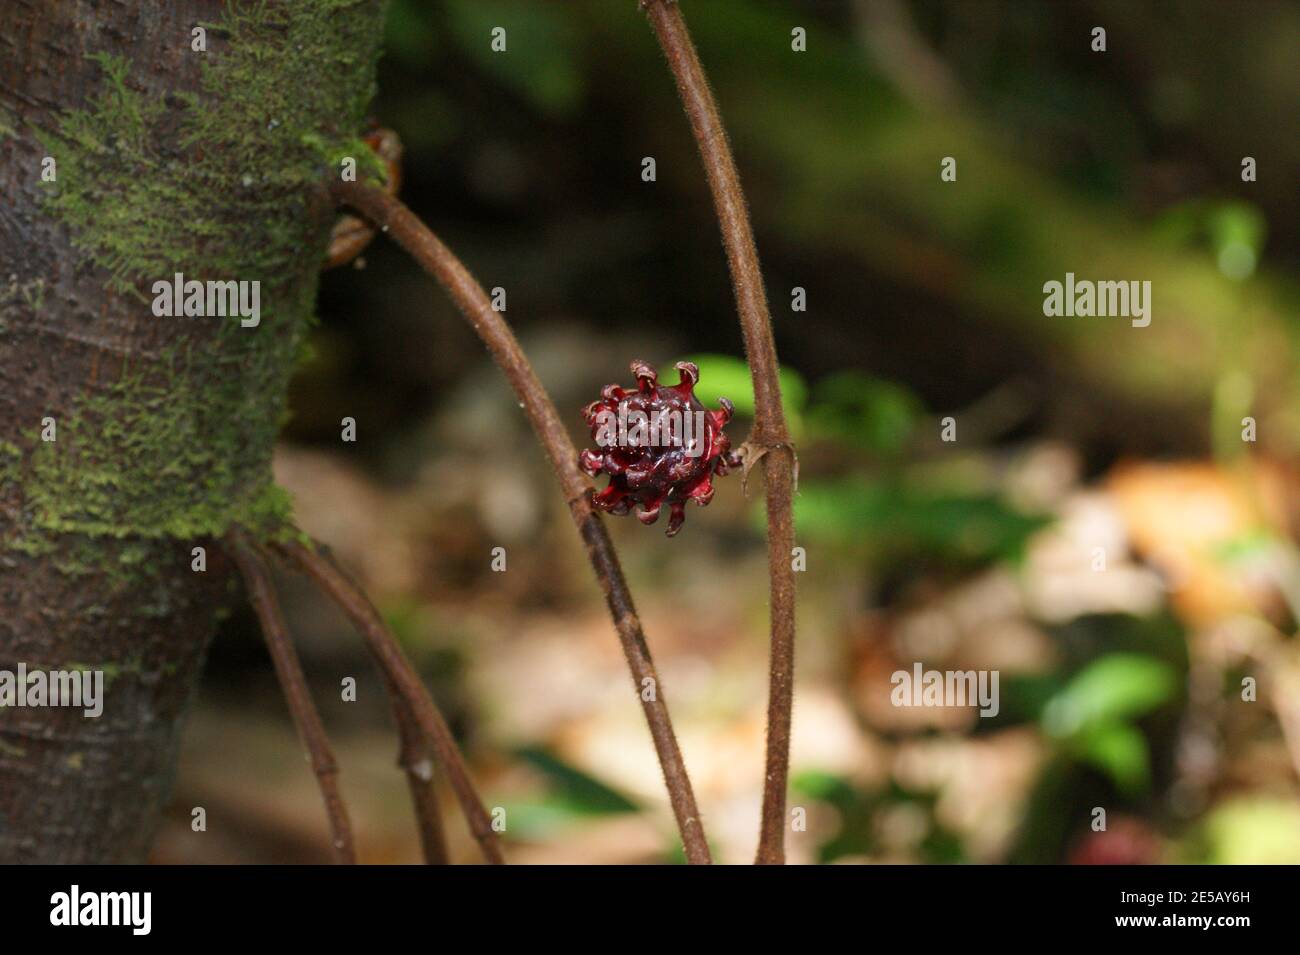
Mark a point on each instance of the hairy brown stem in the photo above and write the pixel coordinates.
(770, 441)
(415, 702)
(289, 671)
(416, 758)
(435, 258)
(428, 817)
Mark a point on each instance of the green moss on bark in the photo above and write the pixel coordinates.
(220, 185)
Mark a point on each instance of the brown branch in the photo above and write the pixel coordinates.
(289, 671)
(439, 261)
(428, 817)
(770, 441)
(415, 702)
(416, 758)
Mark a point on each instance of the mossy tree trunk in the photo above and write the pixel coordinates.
(166, 159)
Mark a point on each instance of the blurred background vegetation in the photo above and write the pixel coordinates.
(1121, 675)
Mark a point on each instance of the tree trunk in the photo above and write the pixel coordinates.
(203, 154)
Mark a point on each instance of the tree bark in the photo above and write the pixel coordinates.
(167, 159)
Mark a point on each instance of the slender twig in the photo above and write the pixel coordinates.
(416, 757)
(402, 678)
(770, 440)
(428, 817)
(435, 258)
(289, 671)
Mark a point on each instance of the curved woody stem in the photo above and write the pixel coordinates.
(770, 440)
(404, 227)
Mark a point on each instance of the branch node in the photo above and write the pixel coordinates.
(753, 451)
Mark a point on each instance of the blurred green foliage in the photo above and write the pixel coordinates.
(863, 411)
(1233, 232)
(882, 513)
(888, 517)
(1092, 715)
(862, 815)
(544, 64)
(1247, 830)
(869, 413)
(567, 796)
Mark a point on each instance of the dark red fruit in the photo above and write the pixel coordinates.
(651, 464)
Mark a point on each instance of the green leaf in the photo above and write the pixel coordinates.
(1118, 750)
(571, 789)
(1115, 687)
